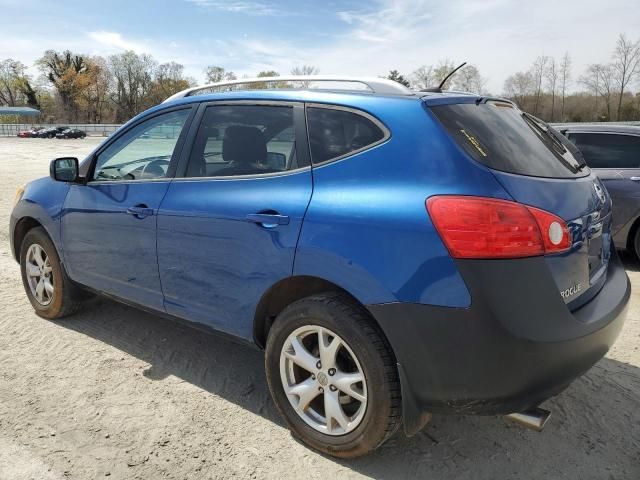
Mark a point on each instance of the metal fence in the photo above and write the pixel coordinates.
(95, 130)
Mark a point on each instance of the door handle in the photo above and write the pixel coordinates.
(140, 211)
(635, 179)
(268, 220)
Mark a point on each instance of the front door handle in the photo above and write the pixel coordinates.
(140, 211)
(635, 179)
(268, 220)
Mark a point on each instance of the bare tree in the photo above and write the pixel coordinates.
(133, 77)
(551, 75)
(169, 78)
(591, 80)
(215, 74)
(520, 86)
(598, 79)
(565, 78)
(95, 98)
(423, 77)
(440, 72)
(468, 79)
(537, 72)
(626, 64)
(305, 70)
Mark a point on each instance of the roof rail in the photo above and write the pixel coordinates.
(381, 86)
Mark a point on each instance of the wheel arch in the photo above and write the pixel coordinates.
(284, 293)
(22, 227)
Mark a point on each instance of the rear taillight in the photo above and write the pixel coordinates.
(479, 227)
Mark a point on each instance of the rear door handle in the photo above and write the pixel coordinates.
(635, 179)
(268, 220)
(140, 211)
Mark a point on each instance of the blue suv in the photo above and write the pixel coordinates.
(396, 253)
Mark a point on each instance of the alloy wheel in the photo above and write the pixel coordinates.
(39, 274)
(323, 380)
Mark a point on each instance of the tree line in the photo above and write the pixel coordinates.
(79, 88)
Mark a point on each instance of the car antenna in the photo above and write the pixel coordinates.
(438, 89)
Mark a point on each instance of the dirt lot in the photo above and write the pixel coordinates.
(119, 393)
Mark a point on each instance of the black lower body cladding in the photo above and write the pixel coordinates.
(514, 347)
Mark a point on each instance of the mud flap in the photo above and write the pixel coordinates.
(413, 418)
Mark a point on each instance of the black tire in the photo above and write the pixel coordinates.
(636, 244)
(67, 297)
(353, 324)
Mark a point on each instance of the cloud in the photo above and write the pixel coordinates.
(244, 7)
(500, 37)
(114, 40)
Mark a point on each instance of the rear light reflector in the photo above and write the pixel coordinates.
(479, 227)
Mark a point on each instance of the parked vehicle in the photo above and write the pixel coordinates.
(33, 132)
(395, 253)
(613, 152)
(51, 132)
(72, 133)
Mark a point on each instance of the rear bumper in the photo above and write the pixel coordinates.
(516, 346)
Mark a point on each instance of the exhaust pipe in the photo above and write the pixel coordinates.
(534, 419)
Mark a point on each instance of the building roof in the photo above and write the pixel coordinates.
(26, 111)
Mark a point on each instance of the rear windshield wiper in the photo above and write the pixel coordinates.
(551, 134)
(534, 122)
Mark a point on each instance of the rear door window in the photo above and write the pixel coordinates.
(336, 132)
(608, 150)
(236, 140)
(504, 138)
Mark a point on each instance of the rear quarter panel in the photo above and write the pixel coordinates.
(367, 228)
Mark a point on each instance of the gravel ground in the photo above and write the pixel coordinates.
(116, 392)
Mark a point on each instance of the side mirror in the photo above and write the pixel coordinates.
(64, 169)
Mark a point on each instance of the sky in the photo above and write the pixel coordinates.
(352, 37)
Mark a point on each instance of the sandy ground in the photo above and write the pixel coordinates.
(119, 393)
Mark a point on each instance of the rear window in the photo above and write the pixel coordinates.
(504, 138)
(608, 150)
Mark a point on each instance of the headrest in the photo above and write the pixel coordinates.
(244, 145)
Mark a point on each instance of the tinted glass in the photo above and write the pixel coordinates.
(608, 150)
(244, 140)
(334, 133)
(504, 138)
(144, 152)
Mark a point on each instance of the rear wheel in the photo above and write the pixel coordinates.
(332, 375)
(49, 289)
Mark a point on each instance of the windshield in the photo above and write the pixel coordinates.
(504, 138)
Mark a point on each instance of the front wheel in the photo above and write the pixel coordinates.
(49, 289)
(332, 375)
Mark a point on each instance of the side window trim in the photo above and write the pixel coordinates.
(171, 170)
(302, 148)
(328, 106)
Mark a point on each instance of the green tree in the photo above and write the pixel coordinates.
(67, 72)
(15, 85)
(397, 77)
